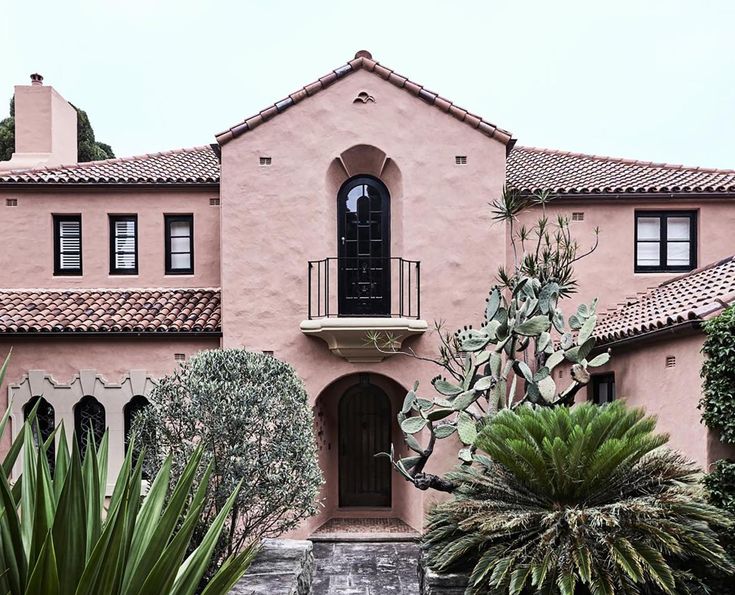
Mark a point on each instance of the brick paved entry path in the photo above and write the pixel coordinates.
(365, 568)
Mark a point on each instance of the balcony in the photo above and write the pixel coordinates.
(352, 298)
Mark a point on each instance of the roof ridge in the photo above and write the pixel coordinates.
(624, 160)
(363, 60)
(85, 164)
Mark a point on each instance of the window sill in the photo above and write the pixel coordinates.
(348, 337)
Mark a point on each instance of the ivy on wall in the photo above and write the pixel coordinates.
(718, 407)
(718, 373)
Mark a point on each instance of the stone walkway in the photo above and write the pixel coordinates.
(360, 568)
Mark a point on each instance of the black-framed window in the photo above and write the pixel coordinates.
(123, 244)
(603, 388)
(665, 241)
(179, 244)
(67, 244)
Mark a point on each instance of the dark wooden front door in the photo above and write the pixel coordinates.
(364, 430)
(363, 238)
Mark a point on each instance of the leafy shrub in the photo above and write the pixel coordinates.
(721, 485)
(576, 501)
(56, 537)
(718, 373)
(250, 414)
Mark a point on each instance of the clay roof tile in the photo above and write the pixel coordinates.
(109, 310)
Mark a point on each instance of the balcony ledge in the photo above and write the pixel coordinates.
(347, 337)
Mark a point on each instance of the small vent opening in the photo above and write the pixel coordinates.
(265, 161)
(270, 353)
(11, 202)
(460, 159)
(214, 202)
(670, 361)
(180, 357)
(578, 216)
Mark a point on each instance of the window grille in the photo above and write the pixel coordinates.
(46, 423)
(89, 417)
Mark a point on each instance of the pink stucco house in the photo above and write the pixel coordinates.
(358, 202)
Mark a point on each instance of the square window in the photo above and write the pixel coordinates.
(665, 241)
(603, 388)
(179, 244)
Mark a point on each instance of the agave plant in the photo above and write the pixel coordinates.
(59, 536)
(577, 501)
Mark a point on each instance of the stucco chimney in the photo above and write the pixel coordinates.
(45, 128)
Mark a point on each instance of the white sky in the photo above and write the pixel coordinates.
(645, 79)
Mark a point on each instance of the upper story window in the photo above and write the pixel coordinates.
(665, 241)
(123, 244)
(179, 244)
(67, 245)
(603, 388)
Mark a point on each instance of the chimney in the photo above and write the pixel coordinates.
(45, 128)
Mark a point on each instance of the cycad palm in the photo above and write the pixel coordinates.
(576, 501)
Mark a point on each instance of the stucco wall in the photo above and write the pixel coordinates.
(275, 218)
(28, 247)
(643, 379)
(608, 273)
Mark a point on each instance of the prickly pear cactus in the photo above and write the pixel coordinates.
(507, 361)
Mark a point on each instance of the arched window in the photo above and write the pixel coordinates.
(89, 414)
(363, 240)
(131, 409)
(46, 420)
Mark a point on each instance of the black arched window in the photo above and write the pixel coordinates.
(46, 420)
(363, 237)
(131, 409)
(89, 414)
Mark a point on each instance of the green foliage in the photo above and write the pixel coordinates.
(509, 360)
(88, 149)
(577, 501)
(7, 134)
(251, 415)
(721, 485)
(58, 536)
(718, 373)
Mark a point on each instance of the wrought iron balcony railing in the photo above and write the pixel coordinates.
(364, 286)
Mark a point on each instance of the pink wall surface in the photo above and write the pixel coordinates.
(642, 379)
(608, 273)
(275, 218)
(28, 251)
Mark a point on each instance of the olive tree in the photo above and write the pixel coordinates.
(250, 413)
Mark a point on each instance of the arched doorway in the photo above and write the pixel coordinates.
(363, 211)
(364, 431)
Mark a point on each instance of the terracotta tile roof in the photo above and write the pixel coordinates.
(530, 170)
(199, 165)
(698, 295)
(364, 61)
(109, 311)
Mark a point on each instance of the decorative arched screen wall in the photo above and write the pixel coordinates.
(64, 399)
